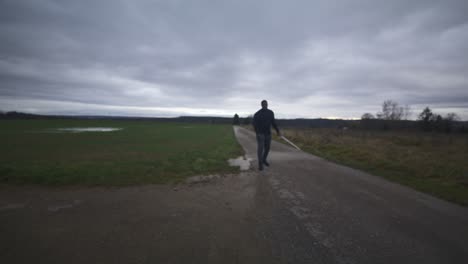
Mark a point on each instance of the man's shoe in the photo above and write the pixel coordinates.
(266, 163)
(260, 167)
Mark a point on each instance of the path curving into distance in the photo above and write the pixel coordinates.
(321, 212)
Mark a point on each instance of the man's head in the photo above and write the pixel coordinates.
(264, 104)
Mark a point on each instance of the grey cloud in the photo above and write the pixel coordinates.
(310, 58)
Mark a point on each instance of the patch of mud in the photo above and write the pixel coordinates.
(274, 182)
(12, 206)
(201, 179)
(315, 230)
(88, 129)
(242, 161)
(63, 206)
(285, 194)
(300, 195)
(300, 212)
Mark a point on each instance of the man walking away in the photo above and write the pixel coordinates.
(262, 122)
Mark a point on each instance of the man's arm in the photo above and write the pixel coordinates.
(273, 123)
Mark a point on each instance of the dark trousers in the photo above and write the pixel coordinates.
(263, 147)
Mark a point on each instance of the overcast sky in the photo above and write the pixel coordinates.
(170, 58)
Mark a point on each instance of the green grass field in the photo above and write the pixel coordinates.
(432, 163)
(33, 152)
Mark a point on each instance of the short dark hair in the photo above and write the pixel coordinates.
(264, 101)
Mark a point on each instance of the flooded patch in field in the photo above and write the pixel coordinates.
(242, 162)
(88, 129)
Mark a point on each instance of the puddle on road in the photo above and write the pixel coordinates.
(88, 129)
(242, 162)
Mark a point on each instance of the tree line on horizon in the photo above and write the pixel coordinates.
(427, 120)
(391, 117)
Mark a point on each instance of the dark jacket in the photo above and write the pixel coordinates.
(263, 120)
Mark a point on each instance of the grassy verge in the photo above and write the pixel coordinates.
(33, 152)
(432, 163)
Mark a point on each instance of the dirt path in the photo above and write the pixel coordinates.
(187, 223)
(300, 210)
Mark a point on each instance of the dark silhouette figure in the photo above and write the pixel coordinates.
(263, 120)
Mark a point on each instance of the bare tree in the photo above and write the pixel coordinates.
(452, 117)
(367, 116)
(426, 117)
(391, 111)
(449, 122)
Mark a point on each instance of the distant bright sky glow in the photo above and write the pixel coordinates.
(309, 59)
